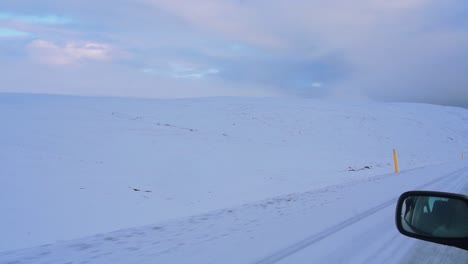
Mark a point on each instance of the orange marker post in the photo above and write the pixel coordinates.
(395, 161)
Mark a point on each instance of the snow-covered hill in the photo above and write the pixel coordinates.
(76, 166)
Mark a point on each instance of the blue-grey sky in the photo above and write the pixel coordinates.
(399, 50)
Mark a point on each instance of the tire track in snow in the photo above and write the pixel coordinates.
(290, 250)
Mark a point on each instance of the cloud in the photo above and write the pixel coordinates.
(230, 19)
(400, 50)
(403, 50)
(280, 26)
(70, 53)
(316, 84)
(107, 78)
(182, 71)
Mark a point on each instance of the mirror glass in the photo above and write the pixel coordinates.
(438, 217)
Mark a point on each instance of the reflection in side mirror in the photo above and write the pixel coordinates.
(434, 216)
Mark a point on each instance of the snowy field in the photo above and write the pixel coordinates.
(220, 180)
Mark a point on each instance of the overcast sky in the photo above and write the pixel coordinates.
(391, 50)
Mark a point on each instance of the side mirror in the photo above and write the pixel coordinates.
(434, 216)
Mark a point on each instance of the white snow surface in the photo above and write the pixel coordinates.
(220, 180)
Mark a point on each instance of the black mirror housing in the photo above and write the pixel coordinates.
(437, 217)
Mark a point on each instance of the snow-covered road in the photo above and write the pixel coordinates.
(351, 222)
(370, 237)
